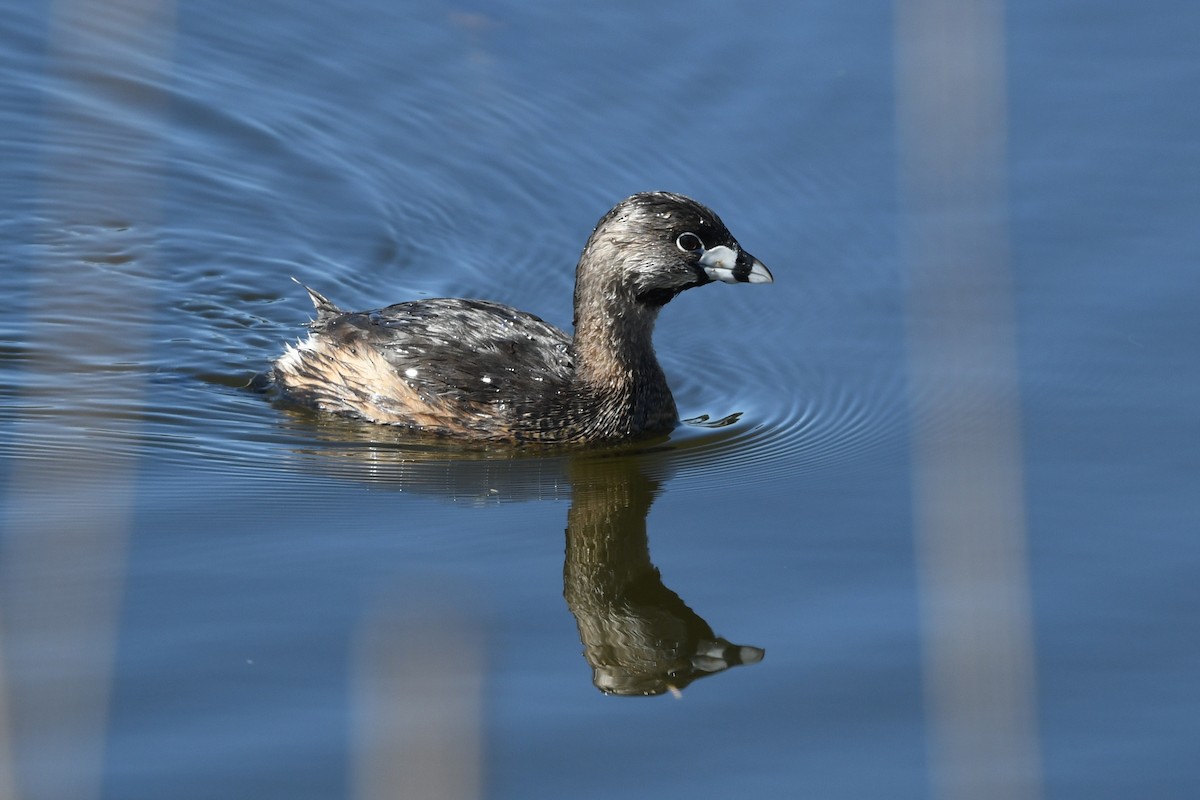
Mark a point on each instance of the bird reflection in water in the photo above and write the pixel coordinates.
(638, 636)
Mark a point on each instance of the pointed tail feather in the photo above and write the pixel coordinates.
(325, 309)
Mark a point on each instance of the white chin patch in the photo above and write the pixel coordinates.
(718, 263)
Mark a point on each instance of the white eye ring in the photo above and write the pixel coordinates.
(689, 242)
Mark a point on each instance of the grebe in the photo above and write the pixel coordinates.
(480, 370)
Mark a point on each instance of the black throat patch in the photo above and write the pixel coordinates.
(657, 298)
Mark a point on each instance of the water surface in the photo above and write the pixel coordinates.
(950, 526)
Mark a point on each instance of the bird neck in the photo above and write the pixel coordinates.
(614, 336)
(615, 361)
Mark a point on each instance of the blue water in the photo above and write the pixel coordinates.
(955, 512)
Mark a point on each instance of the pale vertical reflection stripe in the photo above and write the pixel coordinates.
(968, 502)
(8, 764)
(67, 519)
(417, 706)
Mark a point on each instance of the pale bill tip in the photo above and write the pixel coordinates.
(759, 273)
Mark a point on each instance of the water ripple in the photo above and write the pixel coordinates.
(806, 423)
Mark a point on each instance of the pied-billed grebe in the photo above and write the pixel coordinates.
(480, 370)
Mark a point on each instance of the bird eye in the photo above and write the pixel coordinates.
(689, 242)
